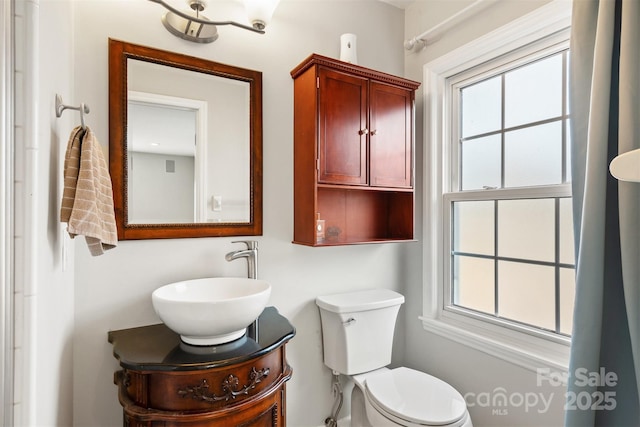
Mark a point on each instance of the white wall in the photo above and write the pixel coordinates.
(113, 291)
(466, 369)
(44, 296)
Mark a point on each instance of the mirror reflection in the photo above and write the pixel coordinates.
(161, 159)
(188, 148)
(190, 140)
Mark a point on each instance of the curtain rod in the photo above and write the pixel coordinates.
(427, 37)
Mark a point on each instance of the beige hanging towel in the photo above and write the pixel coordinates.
(87, 199)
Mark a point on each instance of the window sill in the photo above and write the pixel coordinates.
(521, 349)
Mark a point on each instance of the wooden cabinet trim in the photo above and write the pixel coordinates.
(315, 59)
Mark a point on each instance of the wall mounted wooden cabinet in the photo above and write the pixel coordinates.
(353, 154)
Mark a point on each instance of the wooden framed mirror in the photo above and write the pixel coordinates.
(185, 145)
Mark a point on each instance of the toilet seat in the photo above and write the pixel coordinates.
(413, 398)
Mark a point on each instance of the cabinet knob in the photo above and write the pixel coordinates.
(363, 131)
(374, 132)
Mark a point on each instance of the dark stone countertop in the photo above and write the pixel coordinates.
(158, 348)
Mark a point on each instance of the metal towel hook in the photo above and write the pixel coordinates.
(60, 107)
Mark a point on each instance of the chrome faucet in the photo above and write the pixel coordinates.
(251, 254)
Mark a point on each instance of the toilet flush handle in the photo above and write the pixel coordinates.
(349, 321)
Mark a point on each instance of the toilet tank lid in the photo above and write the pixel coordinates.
(350, 302)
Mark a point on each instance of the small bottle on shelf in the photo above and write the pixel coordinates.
(319, 228)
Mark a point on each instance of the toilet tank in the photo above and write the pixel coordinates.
(357, 329)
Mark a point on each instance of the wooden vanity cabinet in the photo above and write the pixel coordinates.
(164, 382)
(353, 154)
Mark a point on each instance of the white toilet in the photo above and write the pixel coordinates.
(357, 333)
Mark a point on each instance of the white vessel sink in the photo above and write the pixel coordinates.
(211, 311)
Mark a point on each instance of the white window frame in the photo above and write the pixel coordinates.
(452, 194)
(531, 349)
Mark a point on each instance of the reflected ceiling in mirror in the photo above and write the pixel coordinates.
(185, 149)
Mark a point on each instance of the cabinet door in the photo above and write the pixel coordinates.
(343, 128)
(390, 145)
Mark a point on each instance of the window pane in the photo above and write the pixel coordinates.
(526, 229)
(526, 293)
(481, 107)
(534, 92)
(533, 156)
(481, 163)
(567, 254)
(474, 283)
(567, 295)
(473, 230)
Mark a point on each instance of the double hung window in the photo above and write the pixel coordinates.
(508, 241)
(498, 243)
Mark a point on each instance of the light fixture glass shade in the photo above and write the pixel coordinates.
(260, 12)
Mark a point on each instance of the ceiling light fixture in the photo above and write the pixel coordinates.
(195, 27)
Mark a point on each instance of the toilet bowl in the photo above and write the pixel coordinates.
(407, 397)
(357, 334)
